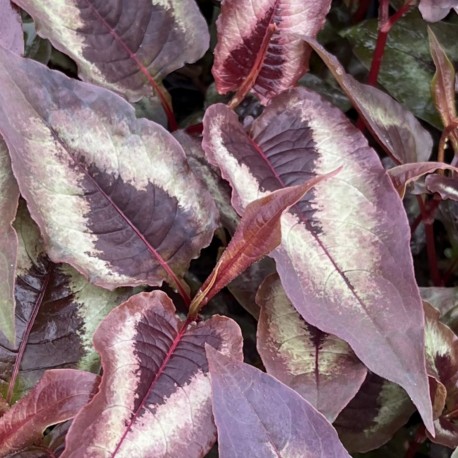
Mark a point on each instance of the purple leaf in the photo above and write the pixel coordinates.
(370, 420)
(320, 367)
(404, 174)
(154, 398)
(56, 315)
(11, 35)
(256, 415)
(255, 49)
(435, 10)
(345, 260)
(9, 195)
(59, 396)
(100, 199)
(446, 187)
(442, 299)
(124, 45)
(396, 129)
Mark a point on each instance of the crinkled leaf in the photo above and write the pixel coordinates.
(442, 358)
(256, 415)
(114, 195)
(154, 398)
(255, 48)
(320, 367)
(435, 10)
(124, 45)
(370, 420)
(57, 313)
(59, 395)
(406, 70)
(395, 128)
(446, 187)
(9, 195)
(404, 174)
(345, 247)
(11, 36)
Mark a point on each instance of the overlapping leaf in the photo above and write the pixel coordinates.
(345, 260)
(11, 35)
(320, 367)
(256, 415)
(255, 48)
(370, 420)
(123, 45)
(113, 196)
(56, 315)
(446, 187)
(59, 396)
(154, 398)
(435, 10)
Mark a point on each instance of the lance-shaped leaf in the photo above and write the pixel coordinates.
(9, 195)
(446, 187)
(256, 415)
(396, 129)
(124, 45)
(57, 313)
(345, 260)
(60, 394)
(154, 398)
(373, 416)
(442, 358)
(258, 233)
(320, 367)
(435, 10)
(404, 174)
(255, 48)
(11, 35)
(114, 195)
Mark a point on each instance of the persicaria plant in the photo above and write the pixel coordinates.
(215, 219)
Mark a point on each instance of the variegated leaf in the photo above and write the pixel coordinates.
(446, 187)
(113, 196)
(154, 398)
(57, 313)
(11, 35)
(124, 45)
(256, 49)
(320, 367)
(345, 260)
(258, 416)
(435, 10)
(441, 298)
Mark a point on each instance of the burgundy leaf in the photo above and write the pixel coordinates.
(256, 415)
(396, 129)
(345, 260)
(154, 398)
(370, 420)
(59, 395)
(115, 197)
(124, 45)
(320, 367)
(258, 233)
(9, 195)
(404, 174)
(57, 313)
(435, 10)
(11, 35)
(446, 187)
(442, 359)
(255, 49)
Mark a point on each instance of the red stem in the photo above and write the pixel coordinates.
(429, 211)
(361, 12)
(419, 438)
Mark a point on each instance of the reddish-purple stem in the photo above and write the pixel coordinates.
(428, 214)
(361, 12)
(414, 445)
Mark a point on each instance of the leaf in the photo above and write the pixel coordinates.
(441, 298)
(435, 10)
(320, 367)
(123, 45)
(11, 36)
(406, 71)
(255, 49)
(155, 382)
(258, 233)
(345, 260)
(394, 127)
(284, 426)
(442, 358)
(57, 313)
(60, 394)
(100, 199)
(404, 174)
(370, 420)
(446, 187)
(9, 195)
